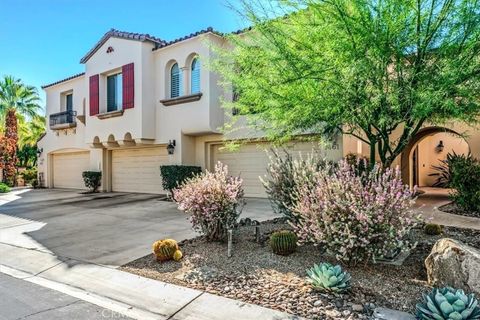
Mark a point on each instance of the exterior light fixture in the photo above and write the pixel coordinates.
(171, 146)
(39, 152)
(439, 147)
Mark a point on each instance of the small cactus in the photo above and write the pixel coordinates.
(283, 242)
(449, 304)
(177, 255)
(165, 249)
(433, 229)
(328, 278)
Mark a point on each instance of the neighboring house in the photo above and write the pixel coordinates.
(140, 94)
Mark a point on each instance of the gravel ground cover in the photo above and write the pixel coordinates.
(455, 209)
(255, 275)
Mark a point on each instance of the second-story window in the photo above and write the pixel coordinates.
(195, 76)
(175, 81)
(114, 92)
(69, 102)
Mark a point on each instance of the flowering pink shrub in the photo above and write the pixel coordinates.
(356, 218)
(214, 201)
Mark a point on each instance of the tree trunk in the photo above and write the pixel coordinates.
(10, 147)
(372, 154)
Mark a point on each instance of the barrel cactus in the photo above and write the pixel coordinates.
(328, 278)
(283, 242)
(433, 229)
(165, 249)
(448, 304)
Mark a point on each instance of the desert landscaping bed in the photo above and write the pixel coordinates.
(255, 275)
(455, 209)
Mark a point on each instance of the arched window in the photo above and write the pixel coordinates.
(175, 81)
(195, 76)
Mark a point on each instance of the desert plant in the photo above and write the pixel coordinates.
(283, 173)
(166, 249)
(433, 229)
(4, 188)
(30, 175)
(174, 176)
(443, 171)
(283, 242)
(466, 183)
(356, 218)
(448, 304)
(359, 163)
(177, 255)
(328, 278)
(92, 180)
(214, 201)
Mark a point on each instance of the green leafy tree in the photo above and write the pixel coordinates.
(16, 99)
(28, 134)
(375, 69)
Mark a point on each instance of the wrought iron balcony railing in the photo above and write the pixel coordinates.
(65, 119)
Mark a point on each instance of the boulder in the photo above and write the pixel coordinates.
(455, 264)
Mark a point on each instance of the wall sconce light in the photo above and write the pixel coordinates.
(171, 146)
(39, 152)
(439, 147)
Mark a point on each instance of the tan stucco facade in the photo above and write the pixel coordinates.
(128, 145)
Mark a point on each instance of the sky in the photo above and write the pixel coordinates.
(42, 41)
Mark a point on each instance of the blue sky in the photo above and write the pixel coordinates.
(42, 41)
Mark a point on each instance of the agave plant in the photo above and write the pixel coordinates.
(326, 277)
(448, 304)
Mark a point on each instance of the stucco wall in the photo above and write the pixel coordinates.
(428, 156)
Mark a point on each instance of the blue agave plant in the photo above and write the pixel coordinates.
(448, 304)
(325, 277)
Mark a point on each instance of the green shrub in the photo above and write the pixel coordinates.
(465, 181)
(283, 174)
(4, 188)
(174, 176)
(30, 176)
(92, 179)
(443, 171)
(433, 229)
(283, 242)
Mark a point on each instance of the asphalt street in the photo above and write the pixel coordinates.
(20, 299)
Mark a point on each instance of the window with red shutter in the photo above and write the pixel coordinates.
(94, 91)
(128, 86)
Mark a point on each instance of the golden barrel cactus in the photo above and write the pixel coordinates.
(166, 249)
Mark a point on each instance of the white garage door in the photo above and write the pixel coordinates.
(68, 168)
(138, 170)
(251, 160)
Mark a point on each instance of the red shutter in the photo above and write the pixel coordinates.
(94, 100)
(128, 86)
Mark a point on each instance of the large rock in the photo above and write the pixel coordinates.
(455, 264)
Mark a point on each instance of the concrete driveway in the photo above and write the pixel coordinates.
(104, 228)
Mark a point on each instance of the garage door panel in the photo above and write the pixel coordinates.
(138, 170)
(68, 168)
(250, 162)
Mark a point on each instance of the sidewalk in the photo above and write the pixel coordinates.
(133, 296)
(428, 203)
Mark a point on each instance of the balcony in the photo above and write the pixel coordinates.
(63, 120)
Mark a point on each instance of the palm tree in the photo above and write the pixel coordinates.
(15, 98)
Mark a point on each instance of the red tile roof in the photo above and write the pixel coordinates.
(63, 80)
(122, 35)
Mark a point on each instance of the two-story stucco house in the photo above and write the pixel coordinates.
(140, 95)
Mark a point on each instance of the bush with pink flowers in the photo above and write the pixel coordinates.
(355, 217)
(214, 201)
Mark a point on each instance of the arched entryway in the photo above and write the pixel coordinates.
(428, 147)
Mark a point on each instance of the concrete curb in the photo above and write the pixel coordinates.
(125, 293)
